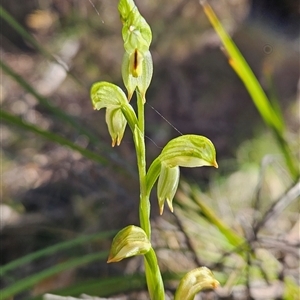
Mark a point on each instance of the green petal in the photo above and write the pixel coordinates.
(130, 82)
(144, 80)
(167, 186)
(116, 124)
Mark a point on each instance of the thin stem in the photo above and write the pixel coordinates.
(153, 275)
(141, 111)
(144, 209)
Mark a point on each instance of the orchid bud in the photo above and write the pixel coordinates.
(136, 32)
(195, 281)
(167, 186)
(129, 241)
(125, 7)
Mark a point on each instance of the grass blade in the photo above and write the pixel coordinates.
(259, 98)
(239, 64)
(70, 120)
(26, 283)
(52, 137)
(55, 248)
(44, 101)
(5, 15)
(104, 287)
(230, 235)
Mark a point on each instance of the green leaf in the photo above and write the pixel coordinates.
(129, 241)
(195, 281)
(189, 151)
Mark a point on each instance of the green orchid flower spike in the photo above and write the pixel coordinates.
(184, 151)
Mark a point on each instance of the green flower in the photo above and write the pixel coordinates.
(129, 241)
(118, 111)
(183, 151)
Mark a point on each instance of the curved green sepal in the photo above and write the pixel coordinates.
(105, 94)
(137, 71)
(167, 186)
(189, 151)
(129, 241)
(195, 281)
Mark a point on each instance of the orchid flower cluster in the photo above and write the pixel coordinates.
(183, 151)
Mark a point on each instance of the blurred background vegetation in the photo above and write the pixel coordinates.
(63, 187)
